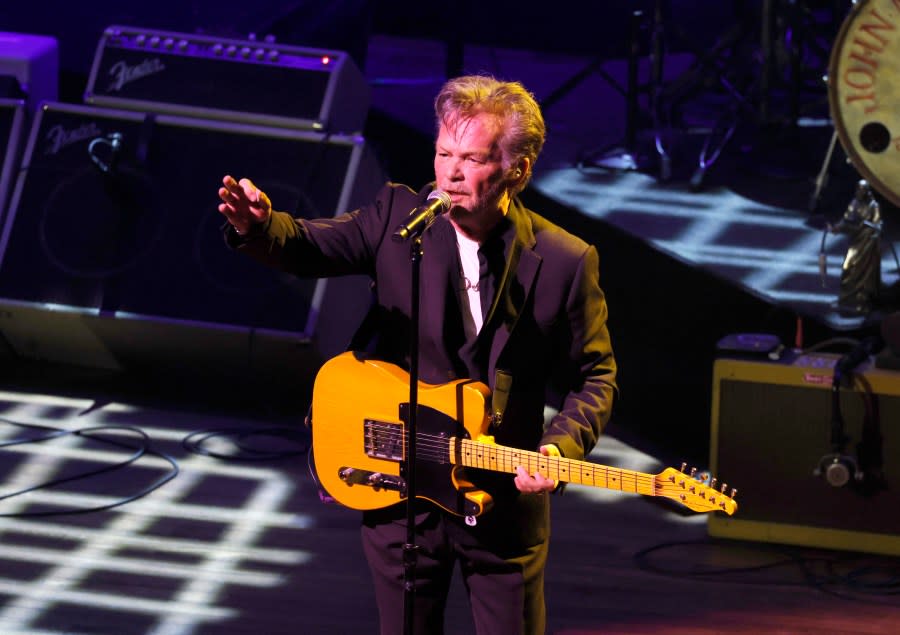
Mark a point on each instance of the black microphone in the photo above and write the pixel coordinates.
(421, 217)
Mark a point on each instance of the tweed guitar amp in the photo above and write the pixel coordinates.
(772, 432)
(236, 80)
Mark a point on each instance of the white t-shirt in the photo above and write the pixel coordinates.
(470, 297)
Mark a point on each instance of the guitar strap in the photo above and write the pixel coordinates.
(500, 395)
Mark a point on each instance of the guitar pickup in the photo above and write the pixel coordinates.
(376, 480)
(383, 440)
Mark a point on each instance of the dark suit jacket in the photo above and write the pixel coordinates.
(548, 321)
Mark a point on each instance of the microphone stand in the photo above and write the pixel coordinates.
(421, 219)
(409, 548)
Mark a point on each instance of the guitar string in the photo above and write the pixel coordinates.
(624, 476)
(440, 447)
(436, 448)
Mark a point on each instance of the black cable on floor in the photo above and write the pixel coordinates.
(139, 451)
(196, 442)
(846, 576)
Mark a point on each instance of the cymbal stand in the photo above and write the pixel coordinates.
(838, 12)
(619, 156)
(722, 67)
(657, 61)
(822, 177)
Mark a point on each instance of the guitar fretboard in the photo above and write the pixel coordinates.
(500, 458)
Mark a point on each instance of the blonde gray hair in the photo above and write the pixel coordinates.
(524, 131)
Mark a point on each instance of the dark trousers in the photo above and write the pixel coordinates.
(506, 592)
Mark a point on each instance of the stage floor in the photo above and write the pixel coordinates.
(239, 541)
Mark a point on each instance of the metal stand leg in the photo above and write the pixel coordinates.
(624, 157)
(822, 178)
(712, 147)
(657, 59)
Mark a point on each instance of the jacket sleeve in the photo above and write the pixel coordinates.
(322, 247)
(589, 373)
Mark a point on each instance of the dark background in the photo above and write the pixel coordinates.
(665, 333)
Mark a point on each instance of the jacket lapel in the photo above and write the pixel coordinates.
(517, 282)
(439, 262)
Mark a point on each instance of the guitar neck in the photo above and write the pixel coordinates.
(498, 458)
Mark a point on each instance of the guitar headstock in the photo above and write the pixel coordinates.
(694, 492)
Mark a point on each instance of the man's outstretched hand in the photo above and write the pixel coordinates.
(243, 204)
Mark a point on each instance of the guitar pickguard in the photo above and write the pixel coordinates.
(437, 477)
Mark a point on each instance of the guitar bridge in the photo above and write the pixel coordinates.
(375, 480)
(383, 440)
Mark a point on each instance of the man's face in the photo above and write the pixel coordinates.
(468, 165)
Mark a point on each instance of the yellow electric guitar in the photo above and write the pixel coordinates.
(359, 444)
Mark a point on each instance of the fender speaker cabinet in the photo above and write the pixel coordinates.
(12, 123)
(772, 424)
(113, 248)
(249, 81)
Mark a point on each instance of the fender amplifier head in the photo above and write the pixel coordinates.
(237, 80)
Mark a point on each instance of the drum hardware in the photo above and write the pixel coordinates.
(731, 82)
(863, 83)
(622, 155)
(822, 177)
(664, 98)
(722, 71)
(862, 88)
(739, 69)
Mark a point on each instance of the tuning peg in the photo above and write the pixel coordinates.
(733, 492)
(712, 483)
(683, 467)
(724, 487)
(693, 472)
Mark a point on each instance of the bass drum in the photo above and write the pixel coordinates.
(864, 92)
